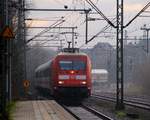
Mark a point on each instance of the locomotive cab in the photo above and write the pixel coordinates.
(73, 74)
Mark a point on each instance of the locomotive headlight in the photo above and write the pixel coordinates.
(81, 77)
(60, 82)
(83, 82)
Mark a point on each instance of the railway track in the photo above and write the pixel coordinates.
(85, 113)
(132, 102)
(82, 112)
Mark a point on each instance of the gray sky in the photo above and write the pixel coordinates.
(72, 19)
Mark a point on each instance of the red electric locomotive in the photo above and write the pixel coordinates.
(68, 74)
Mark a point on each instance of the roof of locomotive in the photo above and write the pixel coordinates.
(71, 51)
(71, 54)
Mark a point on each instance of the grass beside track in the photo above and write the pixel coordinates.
(129, 113)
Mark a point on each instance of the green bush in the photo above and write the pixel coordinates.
(10, 107)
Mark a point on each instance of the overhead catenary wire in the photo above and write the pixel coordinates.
(147, 6)
(98, 11)
(101, 31)
(46, 30)
(58, 22)
(48, 40)
(67, 17)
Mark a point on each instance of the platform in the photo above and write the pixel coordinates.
(41, 110)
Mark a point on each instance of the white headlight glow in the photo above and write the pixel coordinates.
(83, 82)
(60, 82)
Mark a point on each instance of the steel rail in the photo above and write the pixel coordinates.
(97, 113)
(74, 115)
(91, 110)
(142, 105)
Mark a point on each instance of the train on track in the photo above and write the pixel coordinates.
(68, 74)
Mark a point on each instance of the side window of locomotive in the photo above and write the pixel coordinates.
(72, 65)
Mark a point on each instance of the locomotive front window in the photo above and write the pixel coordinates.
(78, 65)
(72, 65)
(65, 65)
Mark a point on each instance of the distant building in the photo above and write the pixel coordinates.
(103, 56)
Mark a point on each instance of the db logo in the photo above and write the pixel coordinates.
(72, 77)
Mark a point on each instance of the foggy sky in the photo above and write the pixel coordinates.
(108, 7)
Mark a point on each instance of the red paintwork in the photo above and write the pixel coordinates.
(72, 82)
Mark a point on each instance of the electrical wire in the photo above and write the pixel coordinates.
(98, 11)
(101, 31)
(46, 30)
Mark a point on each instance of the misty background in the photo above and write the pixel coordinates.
(102, 50)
